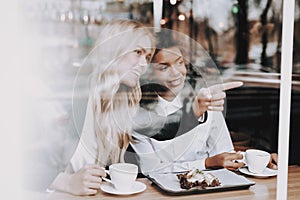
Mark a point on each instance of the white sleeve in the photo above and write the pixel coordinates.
(219, 139)
(187, 151)
(86, 150)
(179, 154)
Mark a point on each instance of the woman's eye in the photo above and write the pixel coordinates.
(180, 62)
(138, 52)
(163, 68)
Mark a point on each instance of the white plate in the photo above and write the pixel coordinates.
(266, 173)
(109, 188)
(229, 181)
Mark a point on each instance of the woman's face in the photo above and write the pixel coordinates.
(135, 63)
(169, 70)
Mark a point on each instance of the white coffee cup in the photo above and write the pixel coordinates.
(123, 176)
(257, 160)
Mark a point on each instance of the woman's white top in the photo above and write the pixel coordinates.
(86, 151)
(186, 151)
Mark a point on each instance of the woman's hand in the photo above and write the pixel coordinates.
(86, 181)
(273, 161)
(212, 98)
(226, 160)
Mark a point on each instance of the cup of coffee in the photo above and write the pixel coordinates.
(123, 176)
(257, 160)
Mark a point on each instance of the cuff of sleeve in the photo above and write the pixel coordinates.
(202, 119)
(59, 183)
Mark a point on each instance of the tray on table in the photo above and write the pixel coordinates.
(169, 183)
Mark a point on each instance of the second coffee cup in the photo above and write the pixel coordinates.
(257, 160)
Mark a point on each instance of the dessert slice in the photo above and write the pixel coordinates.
(197, 178)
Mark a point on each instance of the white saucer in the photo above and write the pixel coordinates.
(109, 188)
(266, 173)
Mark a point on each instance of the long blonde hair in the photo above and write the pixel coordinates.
(114, 104)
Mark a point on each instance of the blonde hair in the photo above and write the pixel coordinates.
(114, 104)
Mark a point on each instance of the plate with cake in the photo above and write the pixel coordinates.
(200, 181)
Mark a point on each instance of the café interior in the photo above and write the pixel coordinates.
(243, 38)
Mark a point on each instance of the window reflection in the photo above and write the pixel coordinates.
(237, 34)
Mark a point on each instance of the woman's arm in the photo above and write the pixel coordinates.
(212, 98)
(219, 145)
(273, 161)
(179, 154)
(79, 177)
(86, 181)
(201, 148)
(226, 160)
(86, 178)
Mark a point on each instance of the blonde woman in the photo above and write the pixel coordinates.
(121, 55)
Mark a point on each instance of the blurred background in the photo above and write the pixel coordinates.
(243, 37)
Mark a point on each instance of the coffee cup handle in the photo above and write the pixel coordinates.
(106, 179)
(243, 160)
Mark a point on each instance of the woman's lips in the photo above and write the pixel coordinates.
(175, 82)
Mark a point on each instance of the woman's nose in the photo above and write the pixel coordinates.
(174, 71)
(143, 63)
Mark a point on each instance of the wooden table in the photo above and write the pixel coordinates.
(264, 189)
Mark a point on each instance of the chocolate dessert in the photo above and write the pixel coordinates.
(197, 178)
